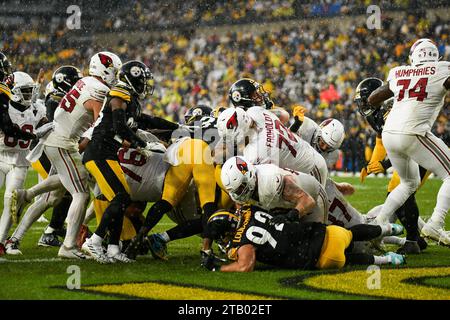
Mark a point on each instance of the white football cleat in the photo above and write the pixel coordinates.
(96, 251)
(436, 233)
(121, 257)
(72, 253)
(12, 247)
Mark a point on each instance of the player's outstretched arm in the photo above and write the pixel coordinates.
(246, 260)
(380, 95)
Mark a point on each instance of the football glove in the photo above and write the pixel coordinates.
(374, 167)
(209, 260)
(291, 216)
(299, 112)
(152, 147)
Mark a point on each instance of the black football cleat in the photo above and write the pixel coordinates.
(49, 240)
(410, 247)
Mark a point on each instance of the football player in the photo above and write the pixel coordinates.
(309, 245)
(79, 108)
(267, 140)
(419, 91)
(63, 79)
(121, 115)
(268, 187)
(26, 114)
(191, 159)
(408, 213)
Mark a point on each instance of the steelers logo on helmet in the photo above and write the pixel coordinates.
(236, 96)
(135, 71)
(197, 112)
(59, 77)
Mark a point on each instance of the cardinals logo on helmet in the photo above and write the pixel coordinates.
(232, 122)
(241, 165)
(105, 60)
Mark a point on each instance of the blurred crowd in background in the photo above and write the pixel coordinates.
(316, 68)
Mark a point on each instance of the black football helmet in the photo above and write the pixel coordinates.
(363, 91)
(247, 93)
(65, 77)
(222, 226)
(137, 76)
(196, 113)
(5, 67)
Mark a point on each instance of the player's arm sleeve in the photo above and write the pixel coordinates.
(123, 131)
(7, 126)
(146, 121)
(50, 106)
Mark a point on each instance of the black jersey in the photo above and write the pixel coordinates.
(288, 245)
(378, 117)
(52, 101)
(108, 135)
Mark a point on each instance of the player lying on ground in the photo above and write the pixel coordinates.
(293, 244)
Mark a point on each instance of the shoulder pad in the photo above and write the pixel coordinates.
(120, 92)
(4, 89)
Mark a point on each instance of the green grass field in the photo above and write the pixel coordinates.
(39, 274)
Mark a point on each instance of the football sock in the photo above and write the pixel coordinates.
(394, 201)
(155, 214)
(113, 249)
(394, 240)
(34, 211)
(408, 215)
(365, 232)
(382, 259)
(112, 219)
(165, 236)
(359, 259)
(185, 229)
(60, 211)
(442, 204)
(96, 239)
(75, 217)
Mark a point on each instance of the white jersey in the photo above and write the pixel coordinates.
(72, 119)
(13, 151)
(144, 176)
(340, 211)
(310, 132)
(271, 185)
(419, 95)
(271, 142)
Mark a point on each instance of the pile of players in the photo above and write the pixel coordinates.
(271, 199)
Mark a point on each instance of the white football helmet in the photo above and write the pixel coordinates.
(423, 50)
(239, 178)
(233, 124)
(105, 65)
(24, 90)
(332, 133)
